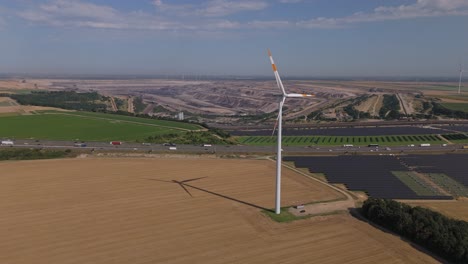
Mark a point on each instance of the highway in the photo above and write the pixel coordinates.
(234, 149)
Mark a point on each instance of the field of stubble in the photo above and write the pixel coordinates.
(121, 210)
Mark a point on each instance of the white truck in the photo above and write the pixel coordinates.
(7, 143)
(347, 146)
(425, 145)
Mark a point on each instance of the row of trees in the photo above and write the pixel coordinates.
(354, 113)
(64, 99)
(31, 154)
(390, 108)
(188, 138)
(138, 104)
(438, 233)
(438, 109)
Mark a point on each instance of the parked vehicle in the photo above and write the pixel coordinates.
(7, 143)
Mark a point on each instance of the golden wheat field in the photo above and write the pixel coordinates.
(129, 210)
(457, 209)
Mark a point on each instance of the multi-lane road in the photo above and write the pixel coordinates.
(232, 149)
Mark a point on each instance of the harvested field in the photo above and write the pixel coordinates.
(454, 209)
(123, 211)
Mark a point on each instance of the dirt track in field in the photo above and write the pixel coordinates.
(117, 210)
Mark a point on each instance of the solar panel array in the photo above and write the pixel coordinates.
(371, 174)
(366, 131)
(462, 128)
(453, 165)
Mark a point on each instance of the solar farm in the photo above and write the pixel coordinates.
(421, 177)
(367, 131)
(340, 140)
(175, 210)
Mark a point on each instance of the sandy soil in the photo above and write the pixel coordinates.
(368, 104)
(377, 105)
(130, 107)
(115, 210)
(18, 84)
(8, 105)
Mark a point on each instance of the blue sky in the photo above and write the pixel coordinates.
(317, 38)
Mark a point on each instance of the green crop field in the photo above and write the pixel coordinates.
(86, 126)
(456, 106)
(456, 138)
(416, 184)
(130, 119)
(397, 140)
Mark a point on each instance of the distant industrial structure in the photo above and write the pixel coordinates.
(180, 116)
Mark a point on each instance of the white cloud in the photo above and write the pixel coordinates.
(212, 8)
(209, 16)
(76, 13)
(274, 24)
(290, 1)
(422, 8)
(217, 8)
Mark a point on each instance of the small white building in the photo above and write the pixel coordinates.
(180, 116)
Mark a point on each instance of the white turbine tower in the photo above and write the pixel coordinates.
(460, 79)
(280, 126)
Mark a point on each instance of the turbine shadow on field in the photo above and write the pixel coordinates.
(183, 184)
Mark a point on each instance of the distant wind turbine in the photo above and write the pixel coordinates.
(280, 126)
(460, 80)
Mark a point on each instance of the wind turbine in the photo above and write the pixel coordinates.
(460, 80)
(280, 127)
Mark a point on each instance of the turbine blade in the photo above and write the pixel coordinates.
(277, 118)
(157, 180)
(192, 179)
(185, 189)
(275, 71)
(276, 124)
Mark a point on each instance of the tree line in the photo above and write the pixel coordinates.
(444, 236)
(390, 108)
(64, 99)
(188, 138)
(31, 154)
